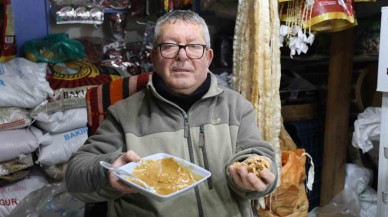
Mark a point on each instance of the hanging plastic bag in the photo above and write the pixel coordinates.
(54, 48)
(51, 200)
(290, 198)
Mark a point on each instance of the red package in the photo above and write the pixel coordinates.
(321, 16)
(8, 40)
(332, 15)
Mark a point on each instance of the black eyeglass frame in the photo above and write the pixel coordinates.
(180, 47)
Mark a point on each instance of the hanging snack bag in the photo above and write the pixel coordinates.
(77, 11)
(332, 15)
(319, 15)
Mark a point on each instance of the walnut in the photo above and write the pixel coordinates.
(254, 165)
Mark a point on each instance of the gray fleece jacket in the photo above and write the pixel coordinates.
(217, 130)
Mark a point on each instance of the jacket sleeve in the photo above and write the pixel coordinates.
(84, 177)
(250, 142)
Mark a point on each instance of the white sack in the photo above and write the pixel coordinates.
(367, 129)
(62, 121)
(23, 83)
(16, 142)
(13, 118)
(368, 200)
(58, 147)
(12, 194)
(63, 99)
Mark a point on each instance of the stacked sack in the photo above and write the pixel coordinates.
(43, 114)
(42, 121)
(22, 86)
(61, 119)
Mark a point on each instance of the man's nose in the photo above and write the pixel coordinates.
(182, 55)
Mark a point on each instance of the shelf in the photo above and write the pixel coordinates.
(365, 58)
(306, 58)
(115, 11)
(324, 59)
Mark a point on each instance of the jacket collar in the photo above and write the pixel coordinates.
(214, 89)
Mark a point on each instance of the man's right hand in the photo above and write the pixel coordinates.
(115, 182)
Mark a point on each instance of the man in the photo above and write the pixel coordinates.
(183, 113)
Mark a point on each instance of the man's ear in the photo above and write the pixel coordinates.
(152, 54)
(210, 55)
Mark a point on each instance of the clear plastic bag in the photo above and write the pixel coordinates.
(51, 200)
(344, 204)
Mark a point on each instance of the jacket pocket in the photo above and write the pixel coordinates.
(202, 146)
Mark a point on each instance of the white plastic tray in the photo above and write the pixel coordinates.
(195, 169)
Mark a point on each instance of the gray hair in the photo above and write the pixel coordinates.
(183, 15)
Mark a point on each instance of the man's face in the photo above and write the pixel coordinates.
(182, 75)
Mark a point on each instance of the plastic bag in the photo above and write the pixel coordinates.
(13, 193)
(54, 48)
(357, 178)
(290, 197)
(52, 200)
(332, 15)
(344, 204)
(367, 129)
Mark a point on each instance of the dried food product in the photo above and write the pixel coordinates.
(256, 65)
(254, 165)
(165, 175)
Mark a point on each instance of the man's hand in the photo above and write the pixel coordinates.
(129, 156)
(250, 181)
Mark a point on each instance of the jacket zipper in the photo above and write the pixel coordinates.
(202, 145)
(190, 146)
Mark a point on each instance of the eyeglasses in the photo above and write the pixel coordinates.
(171, 51)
